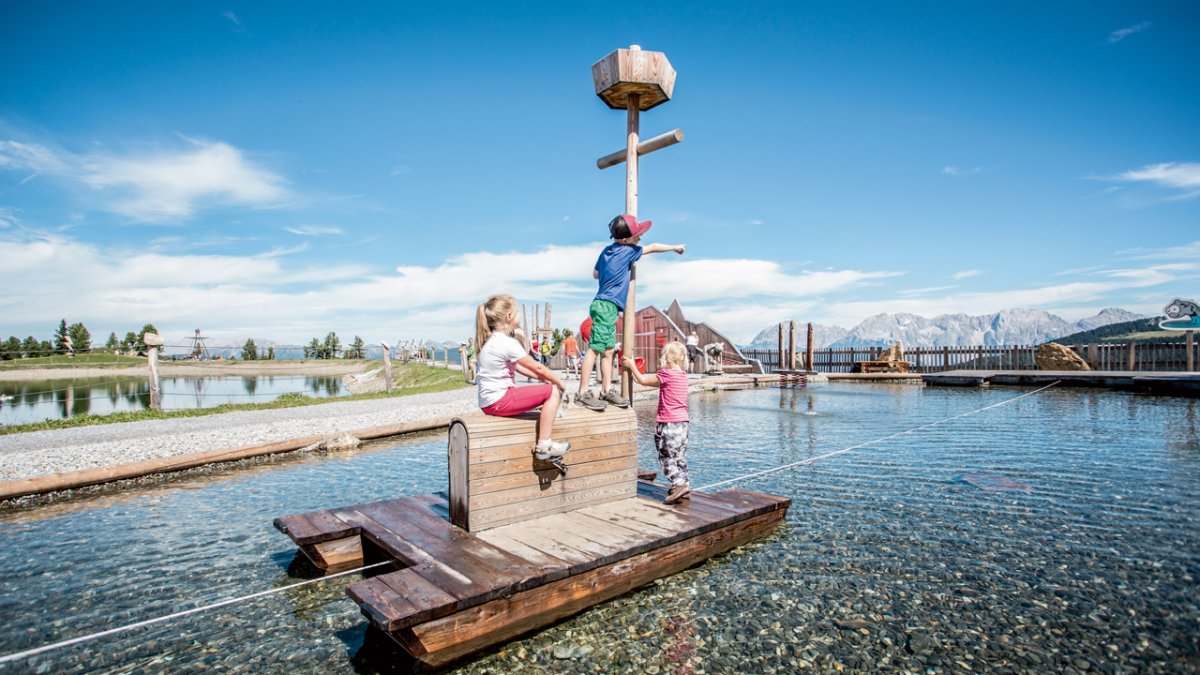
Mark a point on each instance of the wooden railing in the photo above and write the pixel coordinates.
(1165, 356)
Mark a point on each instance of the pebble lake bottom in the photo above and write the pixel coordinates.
(1056, 533)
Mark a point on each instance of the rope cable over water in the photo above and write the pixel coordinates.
(195, 610)
(810, 460)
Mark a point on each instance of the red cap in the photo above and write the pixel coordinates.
(625, 226)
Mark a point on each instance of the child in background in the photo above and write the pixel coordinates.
(612, 270)
(500, 358)
(671, 430)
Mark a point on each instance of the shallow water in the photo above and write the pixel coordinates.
(38, 400)
(1087, 562)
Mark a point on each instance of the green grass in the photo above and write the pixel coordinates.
(407, 379)
(88, 360)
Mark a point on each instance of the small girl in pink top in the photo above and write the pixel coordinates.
(671, 432)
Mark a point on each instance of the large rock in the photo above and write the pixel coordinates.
(1053, 356)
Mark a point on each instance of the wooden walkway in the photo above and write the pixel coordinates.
(456, 592)
(1178, 384)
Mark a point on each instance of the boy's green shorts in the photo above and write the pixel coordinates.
(604, 325)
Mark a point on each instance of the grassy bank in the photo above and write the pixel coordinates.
(407, 379)
(77, 361)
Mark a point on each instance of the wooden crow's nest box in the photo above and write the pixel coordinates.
(633, 71)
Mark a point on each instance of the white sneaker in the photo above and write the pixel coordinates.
(551, 450)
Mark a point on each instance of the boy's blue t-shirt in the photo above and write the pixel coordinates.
(613, 266)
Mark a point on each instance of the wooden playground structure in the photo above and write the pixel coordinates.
(516, 544)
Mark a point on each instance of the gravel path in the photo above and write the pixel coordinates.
(39, 453)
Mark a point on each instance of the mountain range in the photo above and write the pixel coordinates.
(1017, 326)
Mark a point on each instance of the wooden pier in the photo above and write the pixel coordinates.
(1178, 384)
(515, 545)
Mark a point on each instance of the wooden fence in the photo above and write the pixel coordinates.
(1166, 356)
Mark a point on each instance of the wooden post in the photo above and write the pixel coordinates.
(631, 204)
(153, 341)
(1191, 358)
(1132, 357)
(387, 366)
(780, 364)
(808, 352)
(792, 345)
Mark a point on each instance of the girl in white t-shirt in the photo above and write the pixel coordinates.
(500, 358)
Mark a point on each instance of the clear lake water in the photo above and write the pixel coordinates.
(1056, 533)
(38, 400)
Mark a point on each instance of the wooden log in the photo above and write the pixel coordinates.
(387, 366)
(779, 362)
(23, 487)
(153, 341)
(808, 351)
(628, 348)
(791, 360)
(644, 148)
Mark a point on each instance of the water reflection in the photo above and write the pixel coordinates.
(34, 401)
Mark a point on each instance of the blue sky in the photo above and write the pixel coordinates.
(281, 170)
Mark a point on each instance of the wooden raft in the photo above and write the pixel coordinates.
(458, 592)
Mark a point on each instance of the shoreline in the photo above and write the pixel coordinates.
(313, 367)
(38, 462)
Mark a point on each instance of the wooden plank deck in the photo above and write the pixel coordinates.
(1169, 383)
(458, 591)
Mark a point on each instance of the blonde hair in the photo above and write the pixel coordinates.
(490, 315)
(674, 355)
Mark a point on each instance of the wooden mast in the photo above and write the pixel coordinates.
(633, 80)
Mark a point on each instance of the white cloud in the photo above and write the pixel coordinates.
(233, 18)
(1121, 34)
(1185, 252)
(270, 295)
(314, 230)
(172, 185)
(956, 171)
(966, 274)
(1183, 176)
(166, 185)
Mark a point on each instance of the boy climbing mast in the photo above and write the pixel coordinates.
(612, 271)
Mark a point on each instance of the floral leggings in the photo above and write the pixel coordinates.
(671, 440)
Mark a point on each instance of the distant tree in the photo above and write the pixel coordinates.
(11, 349)
(81, 339)
(31, 347)
(313, 349)
(271, 353)
(129, 344)
(357, 349)
(250, 350)
(332, 346)
(60, 338)
(45, 348)
(141, 345)
(113, 343)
